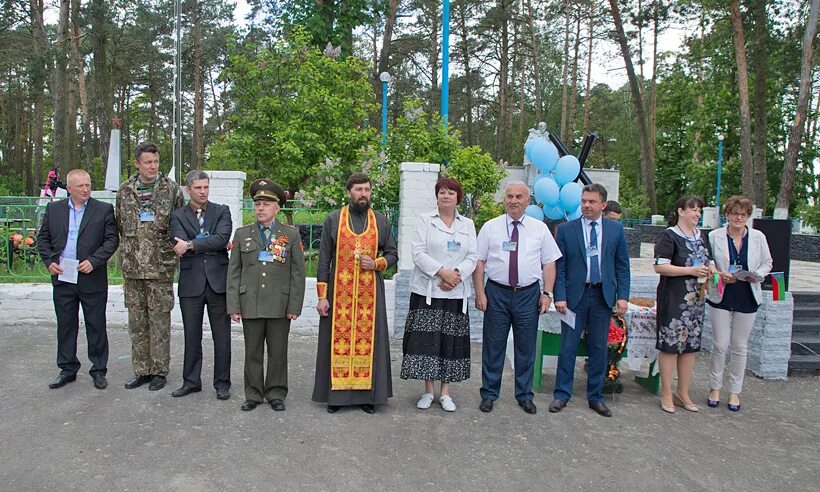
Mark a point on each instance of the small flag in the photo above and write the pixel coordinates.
(720, 285)
(778, 286)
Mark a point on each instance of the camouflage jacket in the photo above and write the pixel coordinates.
(146, 249)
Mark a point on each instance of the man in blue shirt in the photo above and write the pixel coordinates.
(79, 233)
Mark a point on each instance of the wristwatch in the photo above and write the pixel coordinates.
(547, 293)
(190, 245)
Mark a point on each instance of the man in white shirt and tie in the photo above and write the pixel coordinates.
(518, 255)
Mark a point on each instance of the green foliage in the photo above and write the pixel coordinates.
(486, 208)
(810, 214)
(294, 108)
(419, 136)
(477, 172)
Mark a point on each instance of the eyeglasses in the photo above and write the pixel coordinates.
(739, 215)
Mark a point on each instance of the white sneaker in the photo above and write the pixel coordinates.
(447, 403)
(425, 401)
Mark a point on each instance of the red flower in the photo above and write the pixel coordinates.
(616, 333)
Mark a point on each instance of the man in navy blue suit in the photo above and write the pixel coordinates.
(592, 278)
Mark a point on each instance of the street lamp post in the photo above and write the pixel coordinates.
(385, 78)
(445, 60)
(719, 172)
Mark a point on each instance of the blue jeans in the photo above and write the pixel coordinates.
(506, 308)
(592, 313)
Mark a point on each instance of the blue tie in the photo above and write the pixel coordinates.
(594, 269)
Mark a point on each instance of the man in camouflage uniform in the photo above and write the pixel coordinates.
(144, 205)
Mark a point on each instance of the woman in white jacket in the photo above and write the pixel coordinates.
(736, 248)
(436, 342)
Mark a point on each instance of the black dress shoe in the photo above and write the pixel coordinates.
(223, 394)
(486, 406)
(249, 405)
(368, 408)
(62, 380)
(527, 405)
(184, 391)
(157, 383)
(332, 408)
(137, 381)
(557, 405)
(601, 409)
(99, 382)
(277, 405)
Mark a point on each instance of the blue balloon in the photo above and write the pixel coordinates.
(528, 149)
(535, 212)
(543, 154)
(574, 215)
(569, 198)
(546, 191)
(554, 213)
(567, 169)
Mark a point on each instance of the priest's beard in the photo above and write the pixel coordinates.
(359, 207)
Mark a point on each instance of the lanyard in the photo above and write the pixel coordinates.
(587, 238)
(507, 224)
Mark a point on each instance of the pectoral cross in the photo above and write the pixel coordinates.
(357, 253)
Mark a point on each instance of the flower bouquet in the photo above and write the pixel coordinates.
(616, 341)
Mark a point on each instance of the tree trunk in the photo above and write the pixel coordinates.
(563, 130)
(465, 56)
(699, 113)
(588, 88)
(653, 89)
(198, 147)
(536, 65)
(570, 141)
(387, 40)
(435, 99)
(79, 66)
(647, 165)
(60, 96)
(103, 87)
(502, 115)
(747, 172)
(760, 60)
(781, 210)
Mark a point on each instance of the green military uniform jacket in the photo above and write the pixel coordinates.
(146, 249)
(270, 289)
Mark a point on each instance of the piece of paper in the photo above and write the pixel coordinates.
(569, 318)
(747, 276)
(69, 267)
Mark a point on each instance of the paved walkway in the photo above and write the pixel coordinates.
(804, 275)
(79, 438)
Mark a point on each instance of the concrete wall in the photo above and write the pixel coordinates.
(610, 178)
(32, 304)
(226, 187)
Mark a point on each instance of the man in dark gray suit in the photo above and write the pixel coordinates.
(79, 234)
(201, 230)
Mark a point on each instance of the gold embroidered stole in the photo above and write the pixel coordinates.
(354, 306)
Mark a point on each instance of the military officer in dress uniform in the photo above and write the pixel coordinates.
(265, 290)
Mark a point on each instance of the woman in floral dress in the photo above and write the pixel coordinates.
(683, 258)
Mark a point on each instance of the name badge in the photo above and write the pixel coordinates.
(509, 246)
(203, 235)
(148, 216)
(453, 246)
(592, 251)
(733, 268)
(265, 256)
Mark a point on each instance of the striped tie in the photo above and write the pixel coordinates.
(200, 217)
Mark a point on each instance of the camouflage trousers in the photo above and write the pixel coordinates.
(149, 304)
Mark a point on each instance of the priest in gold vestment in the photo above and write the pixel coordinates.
(353, 355)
